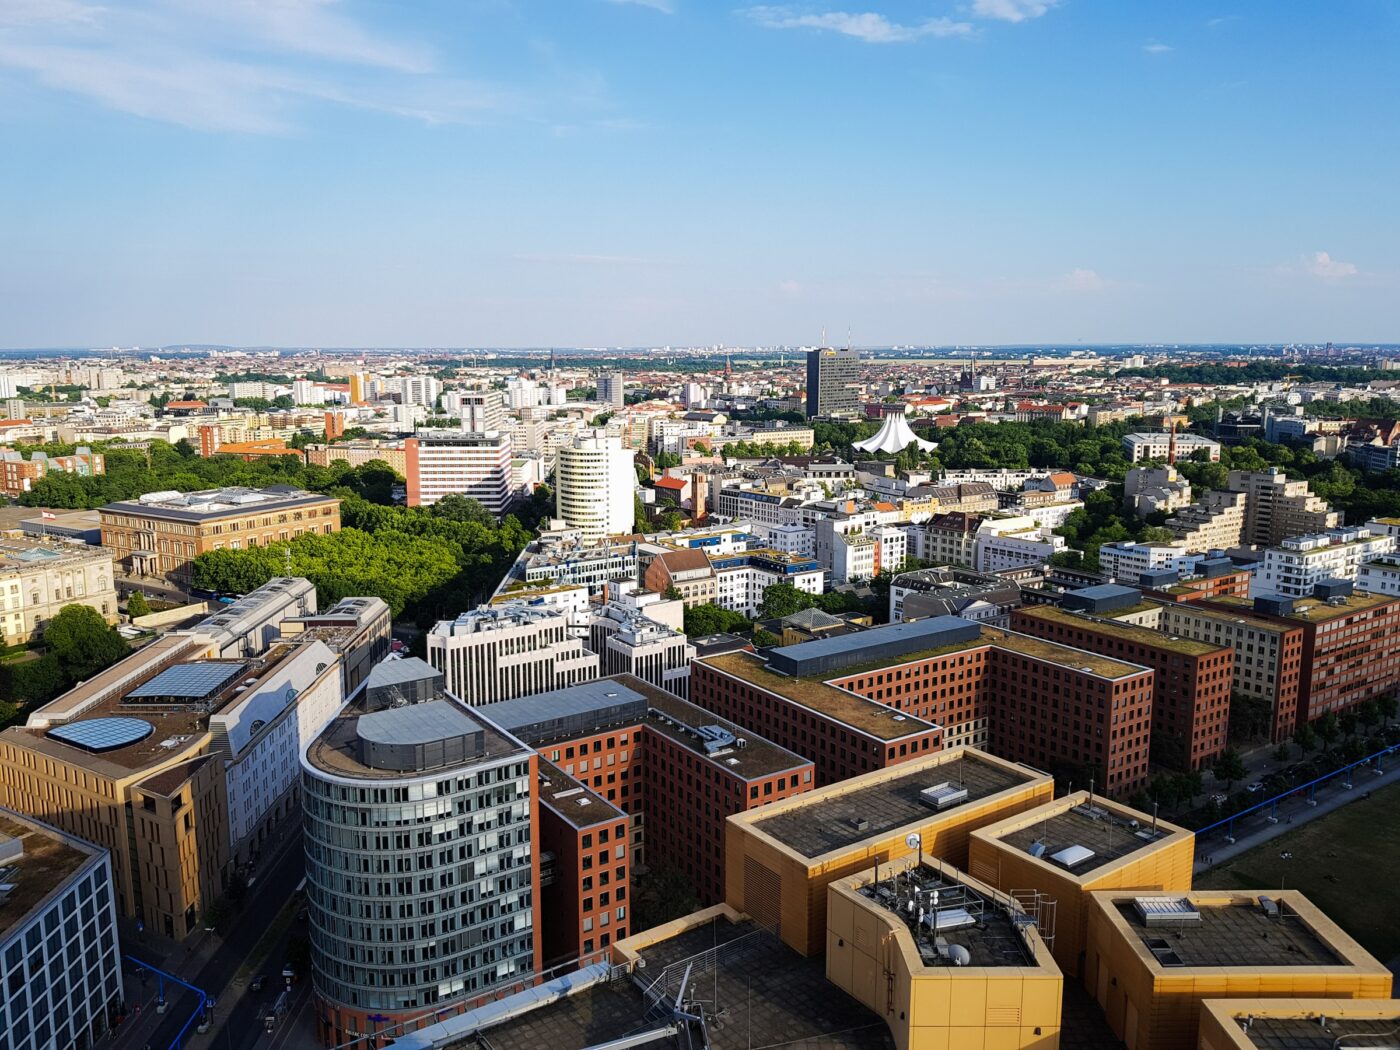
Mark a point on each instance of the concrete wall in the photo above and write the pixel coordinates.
(179, 614)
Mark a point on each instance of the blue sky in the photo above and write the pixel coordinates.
(597, 172)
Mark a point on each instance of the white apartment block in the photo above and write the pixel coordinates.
(1379, 575)
(477, 466)
(790, 538)
(741, 579)
(419, 390)
(1050, 515)
(1011, 543)
(511, 649)
(261, 736)
(1217, 522)
(1139, 447)
(1126, 562)
(1155, 490)
(894, 547)
(1299, 563)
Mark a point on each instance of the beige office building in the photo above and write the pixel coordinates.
(39, 578)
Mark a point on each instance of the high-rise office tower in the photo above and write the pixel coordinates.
(829, 373)
(594, 486)
(610, 389)
(421, 870)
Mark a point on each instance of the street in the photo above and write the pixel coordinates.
(238, 1015)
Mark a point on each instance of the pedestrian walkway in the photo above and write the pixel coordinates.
(1255, 829)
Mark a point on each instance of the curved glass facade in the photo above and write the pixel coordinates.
(419, 889)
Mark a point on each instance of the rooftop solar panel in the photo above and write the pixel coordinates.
(103, 734)
(187, 681)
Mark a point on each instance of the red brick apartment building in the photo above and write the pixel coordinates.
(1350, 645)
(675, 770)
(584, 883)
(941, 681)
(1191, 684)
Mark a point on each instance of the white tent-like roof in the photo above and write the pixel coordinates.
(895, 436)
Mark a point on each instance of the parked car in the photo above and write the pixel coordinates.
(1255, 788)
(257, 983)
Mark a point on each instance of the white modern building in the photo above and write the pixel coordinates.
(631, 643)
(595, 483)
(1155, 490)
(1139, 447)
(509, 649)
(1295, 567)
(1379, 575)
(261, 735)
(419, 390)
(1126, 561)
(60, 964)
(1014, 542)
(741, 579)
(477, 466)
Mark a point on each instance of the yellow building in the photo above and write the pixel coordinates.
(1298, 1024)
(948, 962)
(1073, 846)
(779, 859)
(1151, 959)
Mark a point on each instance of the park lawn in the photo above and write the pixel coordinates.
(1347, 863)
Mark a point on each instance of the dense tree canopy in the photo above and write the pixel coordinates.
(82, 641)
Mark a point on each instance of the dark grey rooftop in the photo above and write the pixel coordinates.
(578, 709)
(821, 826)
(581, 806)
(1339, 1033)
(418, 723)
(1237, 934)
(766, 995)
(832, 654)
(396, 672)
(1108, 835)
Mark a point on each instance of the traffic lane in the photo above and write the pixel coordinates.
(244, 1028)
(269, 896)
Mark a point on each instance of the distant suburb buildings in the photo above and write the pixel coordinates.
(159, 535)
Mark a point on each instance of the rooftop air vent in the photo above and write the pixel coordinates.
(943, 796)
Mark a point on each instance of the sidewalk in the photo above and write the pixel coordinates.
(184, 959)
(1255, 829)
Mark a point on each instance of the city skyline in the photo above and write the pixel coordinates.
(653, 172)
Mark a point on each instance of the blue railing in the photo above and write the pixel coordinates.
(1310, 787)
(162, 977)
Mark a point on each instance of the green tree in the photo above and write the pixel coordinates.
(1368, 714)
(136, 605)
(783, 599)
(708, 618)
(1327, 730)
(1229, 767)
(455, 507)
(1305, 737)
(83, 642)
(765, 639)
(1387, 705)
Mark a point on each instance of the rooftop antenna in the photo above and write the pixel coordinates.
(288, 551)
(823, 335)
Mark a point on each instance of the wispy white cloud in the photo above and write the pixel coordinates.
(1329, 269)
(664, 6)
(1211, 23)
(245, 66)
(790, 287)
(1080, 280)
(1011, 10)
(1152, 47)
(867, 26)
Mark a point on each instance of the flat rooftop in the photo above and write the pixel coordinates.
(954, 913)
(1143, 636)
(1108, 834)
(579, 805)
(172, 699)
(547, 720)
(868, 716)
(217, 503)
(1307, 1033)
(766, 995)
(1231, 933)
(337, 749)
(47, 862)
(1313, 610)
(833, 821)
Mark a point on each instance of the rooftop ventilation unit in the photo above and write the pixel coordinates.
(860, 823)
(1165, 911)
(943, 796)
(1092, 812)
(1036, 849)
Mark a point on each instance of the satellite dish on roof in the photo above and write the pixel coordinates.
(914, 840)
